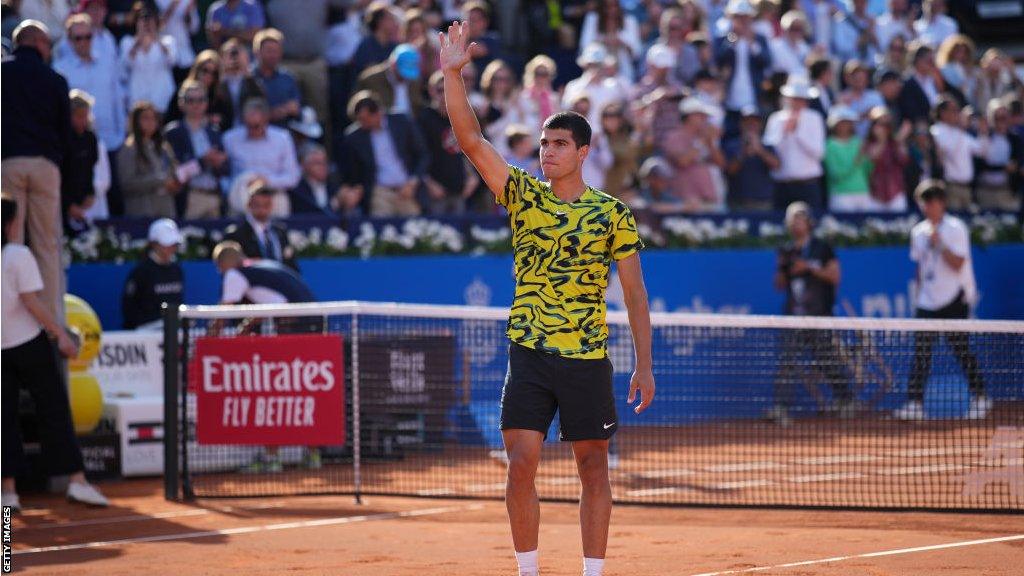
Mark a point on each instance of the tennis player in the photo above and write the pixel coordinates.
(565, 236)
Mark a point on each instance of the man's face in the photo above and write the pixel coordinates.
(165, 253)
(751, 125)
(260, 206)
(925, 63)
(194, 103)
(933, 208)
(799, 226)
(436, 90)
(80, 119)
(80, 37)
(315, 166)
(98, 12)
(369, 120)
(390, 27)
(270, 54)
(559, 155)
(859, 79)
(477, 24)
(741, 24)
(255, 119)
(890, 89)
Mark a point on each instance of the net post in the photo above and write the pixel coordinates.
(357, 478)
(171, 384)
(186, 482)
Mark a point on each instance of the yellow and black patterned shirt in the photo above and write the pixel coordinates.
(563, 255)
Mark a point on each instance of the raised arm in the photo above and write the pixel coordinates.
(454, 55)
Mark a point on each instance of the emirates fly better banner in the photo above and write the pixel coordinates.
(281, 390)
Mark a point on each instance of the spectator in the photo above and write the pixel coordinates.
(257, 235)
(790, 50)
(386, 156)
(956, 150)
(477, 15)
(997, 77)
(206, 71)
(617, 31)
(656, 98)
(104, 44)
(941, 246)
(672, 46)
(396, 81)
(36, 135)
(377, 46)
(889, 84)
(237, 84)
(822, 76)
(955, 59)
(768, 22)
(625, 148)
(146, 166)
(600, 87)
(498, 85)
(279, 86)
(240, 19)
(692, 149)
(149, 58)
(897, 21)
(81, 122)
(199, 153)
(521, 151)
(847, 167)
(797, 135)
(420, 36)
(924, 162)
(655, 192)
(157, 279)
(101, 79)
(450, 179)
(920, 88)
(744, 58)
(29, 360)
(894, 56)
(305, 24)
(853, 34)
(120, 18)
(318, 193)
(887, 150)
(305, 130)
(749, 164)
(267, 151)
(808, 272)
(77, 179)
(935, 26)
(538, 99)
(179, 19)
(858, 96)
(52, 15)
(999, 168)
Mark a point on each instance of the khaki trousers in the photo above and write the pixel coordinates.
(389, 202)
(202, 204)
(958, 196)
(34, 183)
(1001, 198)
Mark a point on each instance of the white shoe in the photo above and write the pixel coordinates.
(613, 461)
(499, 456)
(10, 500)
(980, 407)
(86, 494)
(912, 410)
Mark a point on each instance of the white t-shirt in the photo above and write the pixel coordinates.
(238, 288)
(20, 275)
(799, 152)
(939, 283)
(956, 150)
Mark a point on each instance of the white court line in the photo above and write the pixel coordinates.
(922, 452)
(671, 473)
(559, 481)
(824, 477)
(144, 517)
(842, 459)
(252, 529)
(436, 492)
(868, 555)
(743, 467)
(485, 487)
(740, 484)
(919, 469)
(652, 492)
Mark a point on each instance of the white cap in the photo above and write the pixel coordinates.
(661, 56)
(740, 8)
(694, 105)
(308, 125)
(164, 232)
(595, 53)
(841, 113)
(799, 87)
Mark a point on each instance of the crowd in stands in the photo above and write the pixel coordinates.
(182, 109)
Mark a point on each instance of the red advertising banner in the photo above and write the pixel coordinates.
(280, 390)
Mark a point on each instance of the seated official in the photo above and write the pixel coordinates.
(157, 279)
(258, 236)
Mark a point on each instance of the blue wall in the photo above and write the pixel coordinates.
(876, 281)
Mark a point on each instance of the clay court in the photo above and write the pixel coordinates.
(141, 533)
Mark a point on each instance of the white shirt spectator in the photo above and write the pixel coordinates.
(788, 57)
(801, 151)
(53, 13)
(939, 284)
(20, 276)
(100, 185)
(343, 39)
(236, 288)
(104, 46)
(272, 157)
(934, 31)
(599, 92)
(599, 160)
(998, 154)
(846, 32)
(101, 79)
(887, 27)
(149, 72)
(956, 149)
(741, 91)
(629, 35)
(180, 21)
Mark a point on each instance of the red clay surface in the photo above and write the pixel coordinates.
(410, 536)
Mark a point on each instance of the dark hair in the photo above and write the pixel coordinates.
(135, 128)
(818, 67)
(363, 99)
(8, 211)
(572, 122)
(930, 189)
(919, 52)
(375, 14)
(944, 102)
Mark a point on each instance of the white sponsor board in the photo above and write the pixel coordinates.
(130, 363)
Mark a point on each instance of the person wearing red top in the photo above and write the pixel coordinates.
(887, 149)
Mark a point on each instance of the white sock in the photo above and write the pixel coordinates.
(593, 566)
(527, 563)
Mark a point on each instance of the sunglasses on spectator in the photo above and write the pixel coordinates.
(81, 37)
(207, 70)
(542, 72)
(195, 99)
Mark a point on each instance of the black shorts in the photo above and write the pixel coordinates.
(538, 383)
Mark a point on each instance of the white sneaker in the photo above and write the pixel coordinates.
(912, 410)
(10, 499)
(980, 407)
(499, 456)
(86, 494)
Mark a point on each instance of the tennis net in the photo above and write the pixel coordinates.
(369, 398)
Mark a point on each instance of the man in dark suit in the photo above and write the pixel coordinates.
(399, 73)
(744, 60)
(257, 235)
(318, 193)
(386, 155)
(821, 73)
(200, 154)
(923, 86)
